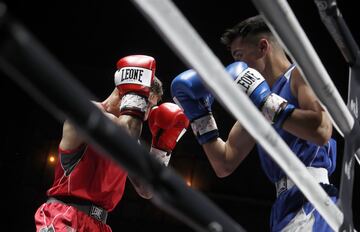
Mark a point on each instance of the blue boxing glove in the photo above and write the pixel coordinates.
(191, 95)
(275, 108)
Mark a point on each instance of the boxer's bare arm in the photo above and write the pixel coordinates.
(133, 126)
(225, 157)
(72, 137)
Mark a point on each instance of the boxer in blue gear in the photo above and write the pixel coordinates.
(276, 87)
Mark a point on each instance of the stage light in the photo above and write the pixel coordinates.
(51, 159)
(188, 183)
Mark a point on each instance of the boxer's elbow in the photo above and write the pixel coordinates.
(223, 170)
(225, 164)
(323, 133)
(222, 173)
(322, 138)
(145, 194)
(142, 189)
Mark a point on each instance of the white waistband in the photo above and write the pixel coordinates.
(320, 175)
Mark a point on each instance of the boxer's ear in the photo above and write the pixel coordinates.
(263, 47)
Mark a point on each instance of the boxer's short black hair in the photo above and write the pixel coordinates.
(250, 27)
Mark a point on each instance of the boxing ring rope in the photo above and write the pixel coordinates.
(338, 29)
(336, 25)
(35, 70)
(189, 46)
(284, 24)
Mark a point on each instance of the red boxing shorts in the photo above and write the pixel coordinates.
(58, 217)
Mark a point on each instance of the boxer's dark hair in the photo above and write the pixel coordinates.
(157, 87)
(251, 28)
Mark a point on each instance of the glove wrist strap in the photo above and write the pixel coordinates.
(162, 156)
(134, 104)
(276, 109)
(205, 128)
(204, 125)
(273, 106)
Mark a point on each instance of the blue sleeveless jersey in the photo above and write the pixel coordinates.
(309, 153)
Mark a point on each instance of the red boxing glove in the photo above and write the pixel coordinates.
(167, 124)
(133, 79)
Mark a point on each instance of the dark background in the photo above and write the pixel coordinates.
(88, 37)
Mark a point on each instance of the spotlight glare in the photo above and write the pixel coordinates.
(51, 158)
(188, 182)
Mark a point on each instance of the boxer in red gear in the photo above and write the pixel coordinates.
(87, 185)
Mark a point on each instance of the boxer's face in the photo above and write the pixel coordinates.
(248, 52)
(153, 101)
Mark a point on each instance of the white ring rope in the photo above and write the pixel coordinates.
(189, 46)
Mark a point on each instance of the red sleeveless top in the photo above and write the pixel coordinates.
(89, 175)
